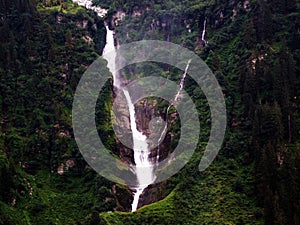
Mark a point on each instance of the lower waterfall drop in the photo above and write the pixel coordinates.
(144, 168)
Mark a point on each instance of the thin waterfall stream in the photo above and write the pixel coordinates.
(171, 104)
(203, 32)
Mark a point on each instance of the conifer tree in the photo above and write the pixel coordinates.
(263, 21)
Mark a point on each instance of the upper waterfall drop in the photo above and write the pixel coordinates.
(109, 53)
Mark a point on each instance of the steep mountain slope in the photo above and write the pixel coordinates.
(43, 177)
(252, 48)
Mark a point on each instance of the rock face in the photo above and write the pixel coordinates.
(152, 123)
(67, 165)
(149, 121)
(123, 198)
(147, 114)
(121, 123)
(117, 18)
(152, 194)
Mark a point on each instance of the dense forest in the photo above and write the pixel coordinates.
(251, 46)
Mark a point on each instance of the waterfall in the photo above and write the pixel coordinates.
(109, 46)
(203, 33)
(111, 57)
(182, 81)
(172, 103)
(144, 168)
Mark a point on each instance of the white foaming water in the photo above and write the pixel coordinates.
(182, 81)
(172, 103)
(109, 53)
(144, 168)
(203, 32)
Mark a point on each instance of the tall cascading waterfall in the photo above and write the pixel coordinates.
(144, 168)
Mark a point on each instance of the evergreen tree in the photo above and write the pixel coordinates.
(250, 35)
(263, 22)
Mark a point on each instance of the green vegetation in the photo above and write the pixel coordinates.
(217, 196)
(43, 55)
(253, 50)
